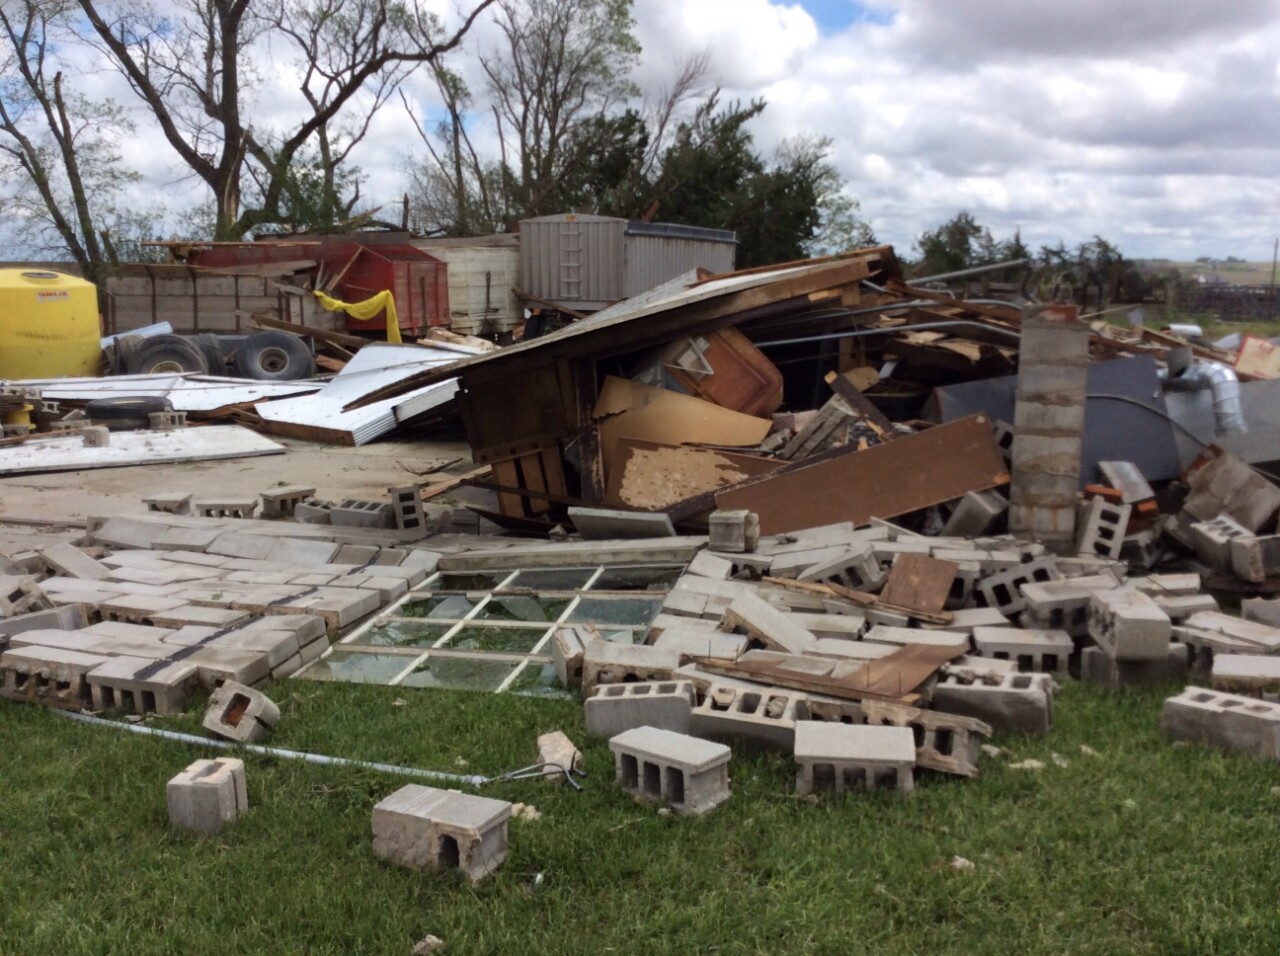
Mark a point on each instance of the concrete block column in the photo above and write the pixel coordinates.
(1048, 424)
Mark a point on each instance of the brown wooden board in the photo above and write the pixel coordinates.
(904, 475)
(919, 582)
(651, 476)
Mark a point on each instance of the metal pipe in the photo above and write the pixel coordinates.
(1222, 381)
(471, 780)
(973, 271)
(894, 330)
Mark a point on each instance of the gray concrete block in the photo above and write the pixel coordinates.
(607, 663)
(1098, 667)
(707, 565)
(733, 531)
(240, 713)
(1253, 675)
(425, 828)
(352, 513)
(766, 626)
(1102, 526)
(615, 708)
(1035, 650)
(557, 751)
(208, 795)
(282, 500)
(1021, 702)
(1223, 720)
(688, 774)
(51, 676)
(764, 717)
(69, 560)
(845, 756)
(69, 617)
(1259, 610)
(975, 514)
(1129, 626)
(692, 642)
(598, 524)
(1003, 591)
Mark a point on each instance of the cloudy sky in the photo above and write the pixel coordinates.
(1154, 123)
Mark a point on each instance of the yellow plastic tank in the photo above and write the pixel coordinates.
(49, 325)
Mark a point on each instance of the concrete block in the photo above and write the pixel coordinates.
(615, 708)
(20, 594)
(847, 626)
(1229, 721)
(142, 686)
(975, 514)
(1253, 675)
(352, 513)
(965, 620)
(69, 617)
(406, 505)
(1169, 585)
(1021, 702)
(138, 608)
(313, 511)
(1260, 610)
(240, 713)
(1101, 529)
(420, 559)
(301, 551)
(944, 742)
(1129, 626)
(598, 524)
(907, 636)
(95, 436)
(764, 717)
(689, 775)
(282, 500)
(425, 828)
(171, 502)
(1255, 558)
(167, 421)
(1003, 591)
(1182, 606)
(1039, 651)
(707, 565)
(356, 554)
(338, 607)
(1098, 667)
(792, 564)
(1063, 604)
(48, 675)
(857, 568)
(1259, 638)
(606, 663)
(1212, 541)
(568, 646)
(766, 626)
(238, 544)
(70, 561)
(229, 507)
(689, 643)
(845, 756)
(208, 795)
(187, 539)
(733, 531)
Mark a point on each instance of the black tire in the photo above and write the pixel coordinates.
(125, 412)
(274, 356)
(211, 349)
(166, 353)
(125, 349)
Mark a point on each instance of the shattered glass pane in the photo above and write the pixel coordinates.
(461, 673)
(507, 640)
(440, 606)
(539, 680)
(522, 608)
(638, 579)
(359, 667)
(468, 581)
(629, 612)
(405, 634)
(553, 579)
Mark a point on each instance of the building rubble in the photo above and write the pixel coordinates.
(977, 503)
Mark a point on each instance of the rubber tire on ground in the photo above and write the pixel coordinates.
(214, 358)
(166, 353)
(274, 356)
(125, 412)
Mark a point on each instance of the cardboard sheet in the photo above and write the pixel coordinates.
(652, 476)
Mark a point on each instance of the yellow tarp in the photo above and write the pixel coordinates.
(366, 310)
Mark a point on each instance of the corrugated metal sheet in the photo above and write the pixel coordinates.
(652, 260)
(186, 391)
(589, 262)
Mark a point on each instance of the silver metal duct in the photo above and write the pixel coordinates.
(1228, 416)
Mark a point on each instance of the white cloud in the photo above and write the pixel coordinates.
(1150, 122)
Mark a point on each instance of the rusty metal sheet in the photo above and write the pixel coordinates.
(885, 481)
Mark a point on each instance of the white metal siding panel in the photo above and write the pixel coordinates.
(652, 260)
(480, 282)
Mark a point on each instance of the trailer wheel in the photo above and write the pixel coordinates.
(211, 349)
(166, 353)
(125, 412)
(274, 356)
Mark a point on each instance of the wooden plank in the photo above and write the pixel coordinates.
(323, 335)
(435, 489)
(876, 419)
(919, 582)
(533, 479)
(904, 475)
(506, 473)
(669, 550)
(841, 593)
(894, 677)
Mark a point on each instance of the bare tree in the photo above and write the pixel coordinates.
(63, 147)
(187, 61)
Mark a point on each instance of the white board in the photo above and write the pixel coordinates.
(200, 443)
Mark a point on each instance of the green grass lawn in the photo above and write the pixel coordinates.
(1139, 846)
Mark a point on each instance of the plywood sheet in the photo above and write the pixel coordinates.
(652, 476)
(885, 481)
(1259, 357)
(631, 410)
(919, 582)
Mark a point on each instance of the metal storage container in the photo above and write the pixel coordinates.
(483, 273)
(586, 263)
(49, 325)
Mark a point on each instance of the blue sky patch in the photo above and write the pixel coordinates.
(832, 16)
